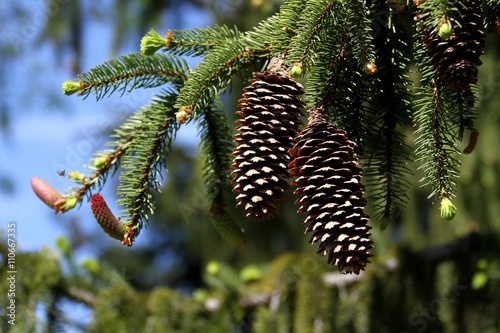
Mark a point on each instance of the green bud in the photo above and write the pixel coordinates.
(63, 245)
(445, 29)
(152, 42)
(213, 268)
(91, 265)
(183, 114)
(250, 273)
(76, 176)
(296, 70)
(100, 161)
(70, 87)
(448, 210)
(69, 203)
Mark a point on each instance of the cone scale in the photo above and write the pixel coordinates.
(331, 194)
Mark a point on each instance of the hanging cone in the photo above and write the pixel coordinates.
(455, 56)
(328, 181)
(108, 222)
(269, 112)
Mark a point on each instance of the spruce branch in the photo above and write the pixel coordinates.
(336, 81)
(350, 87)
(445, 103)
(99, 176)
(216, 147)
(466, 110)
(436, 147)
(323, 81)
(274, 33)
(143, 163)
(106, 162)
(198, 41)
(322, 19)
(213, 75)
(491, 10)
(331, 82)
(130, 72)
(361, 32)
(387, 153)
(431, 13)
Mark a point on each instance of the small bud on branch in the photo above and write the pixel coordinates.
(70, 87)
(152, 42)
(49, 195)
(448, 209)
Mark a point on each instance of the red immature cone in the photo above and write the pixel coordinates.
(108, 222)
(49, 195)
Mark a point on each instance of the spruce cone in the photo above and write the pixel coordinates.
(331, 193)
(270, 108)
(108, 222)
(456, 59)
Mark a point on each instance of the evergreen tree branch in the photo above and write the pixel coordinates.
(81, 295)
(351, 114)
(144, 159)
(198, 41)
(361, 32)
(216, 147)
(336, 81)
(466, 110)
(213, 75)
(338, 45)
(439, 120)
(274, 33)
(431, 14)
(130, 72)
(108, 160)
(323, 80)
(436, 146)
(99, 176)
(328, 83)
(388, 153)
(491, 10)
(315, 28)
